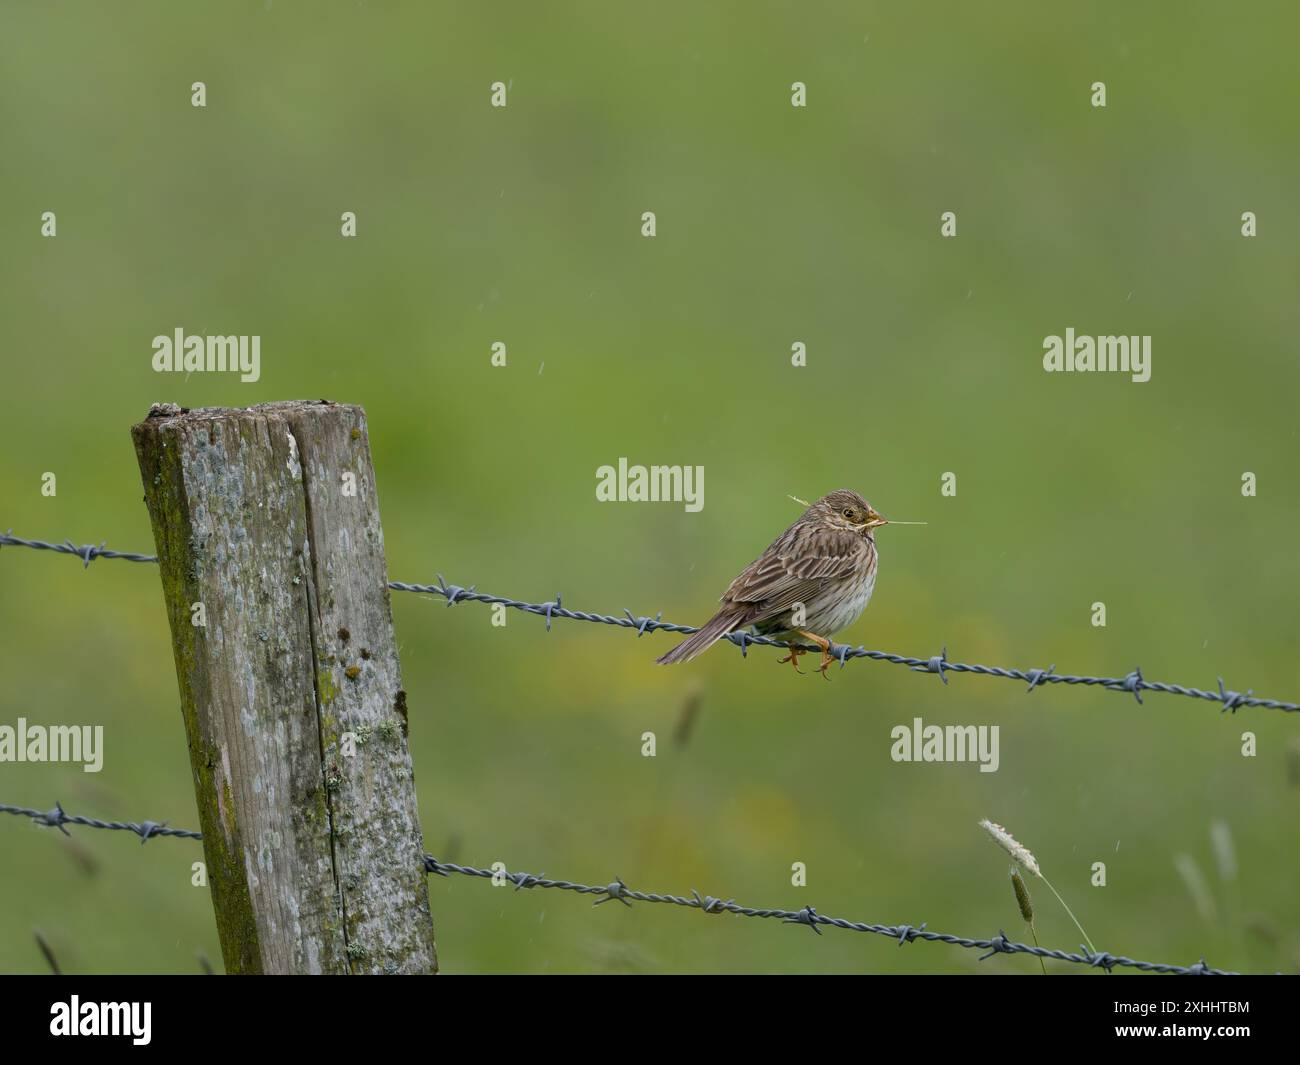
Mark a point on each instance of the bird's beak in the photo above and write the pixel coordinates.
(876, 520)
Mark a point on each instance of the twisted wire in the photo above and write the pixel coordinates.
(1132, 683)
(617, 891)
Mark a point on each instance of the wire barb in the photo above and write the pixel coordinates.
(807, 916)
(1037, 676)
(642, 622)
(616, 890)
(936, 664)
(1231, 699)
(550, 608)
(1000, 945)
(906, 933)
(708, 904)
(1134, 683)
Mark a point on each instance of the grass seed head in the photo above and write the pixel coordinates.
(1008, 843)
(1022, 896)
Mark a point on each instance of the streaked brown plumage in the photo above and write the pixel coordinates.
(825, 561)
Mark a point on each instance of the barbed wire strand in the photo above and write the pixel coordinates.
(57, 818)
(618, 891)
(1133, 683)
(86, 552)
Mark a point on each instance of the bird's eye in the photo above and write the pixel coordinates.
(848, 513)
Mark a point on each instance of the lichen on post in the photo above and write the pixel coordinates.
(276, 587)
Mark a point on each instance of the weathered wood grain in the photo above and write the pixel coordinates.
(291, 691)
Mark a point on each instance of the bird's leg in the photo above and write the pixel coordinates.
(824, 644)
(793, 658)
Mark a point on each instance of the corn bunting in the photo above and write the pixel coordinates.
(815, 579)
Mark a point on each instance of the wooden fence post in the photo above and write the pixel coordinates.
(276, 586)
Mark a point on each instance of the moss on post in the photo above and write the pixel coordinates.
(267, 529)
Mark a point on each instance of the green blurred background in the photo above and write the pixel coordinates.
(774, 225)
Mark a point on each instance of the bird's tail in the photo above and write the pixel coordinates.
(726, 620)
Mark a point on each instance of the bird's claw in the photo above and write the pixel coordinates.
(793, 659)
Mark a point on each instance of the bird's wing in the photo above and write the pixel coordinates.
(794, 570)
